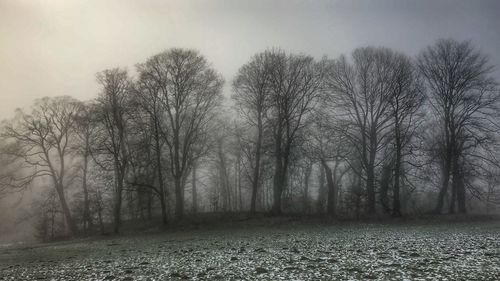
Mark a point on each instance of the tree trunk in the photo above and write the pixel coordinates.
(228, 188)
(159, 167)
(396, 204)
(444, 185)
(141, 195)
(278, 187)
(240, 198)
(256, 172)
(101, 222)
(306, 187)
(281, 173)
(223, 178)
(179, 199)
(194, 192)
(462, 209)
(150, 205)
(322, 192)
(358, 205)
(453, 198)
(87, 220)
(67, 214)
(370, 176)
(384, 187)
(130, 204)
(118, 204)
(98, 201)
(163, 205)
(370, 189)
(459, 186)
(330, 181)
(255, 186)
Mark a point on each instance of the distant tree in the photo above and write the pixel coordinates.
(322, 191)
(201, 150)
(221, 163)
(236, 148)
(142, 175)
(327, 144)
(49, 217)
(86, 130)
(492, 192)
(464, 98)
(303, 167)
(112, 107)
(39, 146)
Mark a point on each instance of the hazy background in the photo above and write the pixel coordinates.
(50, 48)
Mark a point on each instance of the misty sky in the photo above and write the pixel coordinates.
(51, 48)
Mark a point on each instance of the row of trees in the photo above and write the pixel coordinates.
(382, 131)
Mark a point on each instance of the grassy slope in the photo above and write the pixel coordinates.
(271, 249)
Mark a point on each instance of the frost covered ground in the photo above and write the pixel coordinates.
(298, 251)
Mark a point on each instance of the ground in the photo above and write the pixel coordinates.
(285, 251)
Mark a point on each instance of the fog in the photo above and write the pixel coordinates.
(52, 48)
(286, 129)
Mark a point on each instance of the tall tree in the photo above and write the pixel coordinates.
(40, 144)
(86, 129)
(113, 103)
(144, 160)
(251, 96)
(360, 91)
(150, 101)
(464, 99)
(191, 91)
(406, 98)
(294, 82)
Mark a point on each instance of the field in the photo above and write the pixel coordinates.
(286, 250)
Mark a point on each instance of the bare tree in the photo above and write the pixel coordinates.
(222, 166)
(142, 175)
(200, 150)
(328, 144)
(361, 92)
(251, 95)
(237, 147)
(150, 101)
(406, 98)
(86, 130)
(190, 91)
(194, 189)
(492, 194)
(295, 82)
(464, 99)
(40, 144)
(113, 104)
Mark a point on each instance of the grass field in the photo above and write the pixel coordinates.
(260, 251)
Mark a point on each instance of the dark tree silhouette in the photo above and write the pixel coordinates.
(113, 104)
(190, 92)
(361, 92)
(464, 98)
(251, 95)
(40, 142)
(295, 82)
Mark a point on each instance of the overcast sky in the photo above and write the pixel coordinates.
(51, 48)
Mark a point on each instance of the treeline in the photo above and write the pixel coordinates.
(376, 132)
